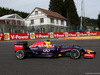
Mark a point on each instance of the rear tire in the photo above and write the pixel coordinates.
(75, 54)
(20, 54)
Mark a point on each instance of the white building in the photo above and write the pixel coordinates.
(41, 20)
(12, 23)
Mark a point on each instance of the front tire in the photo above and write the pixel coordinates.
(20, 54)
(75, 54)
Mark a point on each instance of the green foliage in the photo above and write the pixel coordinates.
(89, 22)
(67, 9)
(56, 6)
(98, 21)
(7, 11)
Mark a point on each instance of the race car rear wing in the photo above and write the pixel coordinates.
(20, 45)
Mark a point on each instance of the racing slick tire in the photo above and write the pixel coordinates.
(20, 54)
(75, 54)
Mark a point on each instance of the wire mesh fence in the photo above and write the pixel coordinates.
(84, 29)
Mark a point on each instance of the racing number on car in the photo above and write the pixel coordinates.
(46, 50)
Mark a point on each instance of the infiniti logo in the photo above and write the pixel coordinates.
(46, 50)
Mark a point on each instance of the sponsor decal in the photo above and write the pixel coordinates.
(88, 55)
(20, 46)
(17, 47)
(88, 33)
(6, 36)
(1, 36)
(32, 36)
(93, 33)
(46, 50)
(42, 35)
(66, 34)
(78, 34)
(15, 36)
(34, 48)
(51, 35)
(98, 33)
(83, 34)
(72, 34)
(57, 35)
(19, 37)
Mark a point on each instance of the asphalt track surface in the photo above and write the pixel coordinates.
(9, 65)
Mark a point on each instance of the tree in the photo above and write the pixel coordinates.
(67, 9)
(99, 21)
(56, 6)
(70, 12)
(7, 11)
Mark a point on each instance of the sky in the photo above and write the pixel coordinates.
(92, 7)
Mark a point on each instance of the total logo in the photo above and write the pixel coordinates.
(46, 50)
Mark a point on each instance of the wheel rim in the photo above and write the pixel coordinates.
(20, 54)
(75, 54)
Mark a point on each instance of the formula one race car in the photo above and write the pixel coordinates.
(45, 49)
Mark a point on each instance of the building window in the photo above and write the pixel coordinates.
(52, 20)
(57, 29)
(32, 21)
(41, 20)
(62, 29)
(51, 29)
(43, 30)
(36, 12)
(0, 30)
(10, 30)
(62, 22)
(57, 21)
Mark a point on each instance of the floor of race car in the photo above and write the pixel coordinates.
(9, 65)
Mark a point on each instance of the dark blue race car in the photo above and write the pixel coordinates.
(45, 49)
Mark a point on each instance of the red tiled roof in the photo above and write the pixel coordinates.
(52, 14)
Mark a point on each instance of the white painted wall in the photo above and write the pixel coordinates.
(47, 20)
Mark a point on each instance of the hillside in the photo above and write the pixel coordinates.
(6, 11)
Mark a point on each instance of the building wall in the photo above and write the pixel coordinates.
(50, 28)
(46, 24)
(12, 28)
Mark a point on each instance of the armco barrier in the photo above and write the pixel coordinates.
(17, 36)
